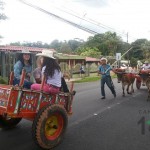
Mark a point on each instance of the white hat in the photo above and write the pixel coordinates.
(103, 59)
(46, 53)
(146, 62)
(25, 51)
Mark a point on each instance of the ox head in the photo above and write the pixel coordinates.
(119, 72)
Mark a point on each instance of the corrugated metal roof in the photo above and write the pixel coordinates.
(59, 55)
(92, 59)
(20, 48)
(68, 56)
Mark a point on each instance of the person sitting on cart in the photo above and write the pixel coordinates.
(146, 66)
(37, 74)
(23, 62)
(52, 72)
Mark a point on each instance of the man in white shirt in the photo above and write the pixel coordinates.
(145, 66)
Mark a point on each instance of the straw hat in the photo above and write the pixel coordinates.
(146, 62)
(46, 53)
(103, 59)
(25, 51)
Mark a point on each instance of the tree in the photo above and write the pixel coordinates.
(146, 49)
(74, 44)
(2, 15)
(65, 48)
(55, 44)
(91, 52)
(108, 43)
(137, 51)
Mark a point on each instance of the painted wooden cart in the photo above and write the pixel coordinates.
(142, 78)
(49, 113)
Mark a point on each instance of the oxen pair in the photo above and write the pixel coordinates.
(129, 78)
(126, 79)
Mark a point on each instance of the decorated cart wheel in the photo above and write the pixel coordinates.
(49, 126)
(138, 84)
(7, 122)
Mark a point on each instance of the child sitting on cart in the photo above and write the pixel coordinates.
(37, 74)
(52, 72)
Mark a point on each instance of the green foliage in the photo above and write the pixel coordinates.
(133, 62)
(3, 81)
(2, 15)
(91, 52)
(106, 44)
(137, 51)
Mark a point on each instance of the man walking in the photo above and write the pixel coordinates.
(104, 70)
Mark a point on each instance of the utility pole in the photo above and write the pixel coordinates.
(127, 54)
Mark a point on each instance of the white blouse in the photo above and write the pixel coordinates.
(55, 79)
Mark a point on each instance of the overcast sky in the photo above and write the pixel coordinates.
(27, 24)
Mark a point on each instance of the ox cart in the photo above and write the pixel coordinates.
(49, 113)
(142, 78)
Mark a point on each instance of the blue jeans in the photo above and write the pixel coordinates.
(108, 81)
(27, 84)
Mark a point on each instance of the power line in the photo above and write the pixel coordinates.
(98, 23)
(59, 18)
(72, 23)
(90, 20)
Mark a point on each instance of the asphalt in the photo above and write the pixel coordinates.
(110, 124)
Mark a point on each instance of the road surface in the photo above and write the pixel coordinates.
(120, 123)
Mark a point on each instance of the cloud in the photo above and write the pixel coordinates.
(92, 3)
(28, 24)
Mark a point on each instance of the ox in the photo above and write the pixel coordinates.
(147, 81)
(126, 79)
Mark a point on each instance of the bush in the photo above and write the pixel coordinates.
(3, 81)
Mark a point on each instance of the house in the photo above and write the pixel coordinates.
(8, 57)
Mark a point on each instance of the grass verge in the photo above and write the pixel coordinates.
(91, 79)
(88, 79)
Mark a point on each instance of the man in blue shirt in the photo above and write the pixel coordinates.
(104, 70)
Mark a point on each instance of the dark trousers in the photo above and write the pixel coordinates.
(27, 84)
(64, 86)
(108, 81)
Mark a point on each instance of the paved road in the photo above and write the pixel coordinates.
(110, 124)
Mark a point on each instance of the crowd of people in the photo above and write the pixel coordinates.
(47, 66)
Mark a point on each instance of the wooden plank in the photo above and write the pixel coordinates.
(3, 64)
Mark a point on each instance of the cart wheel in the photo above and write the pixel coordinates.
(7, 122)
(138, 84)
(49, 126)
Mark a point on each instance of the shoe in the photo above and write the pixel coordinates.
(103, 97)
(73, 93)
(114, 95)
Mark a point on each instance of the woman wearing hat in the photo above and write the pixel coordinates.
(51, 70)
(23, 62)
